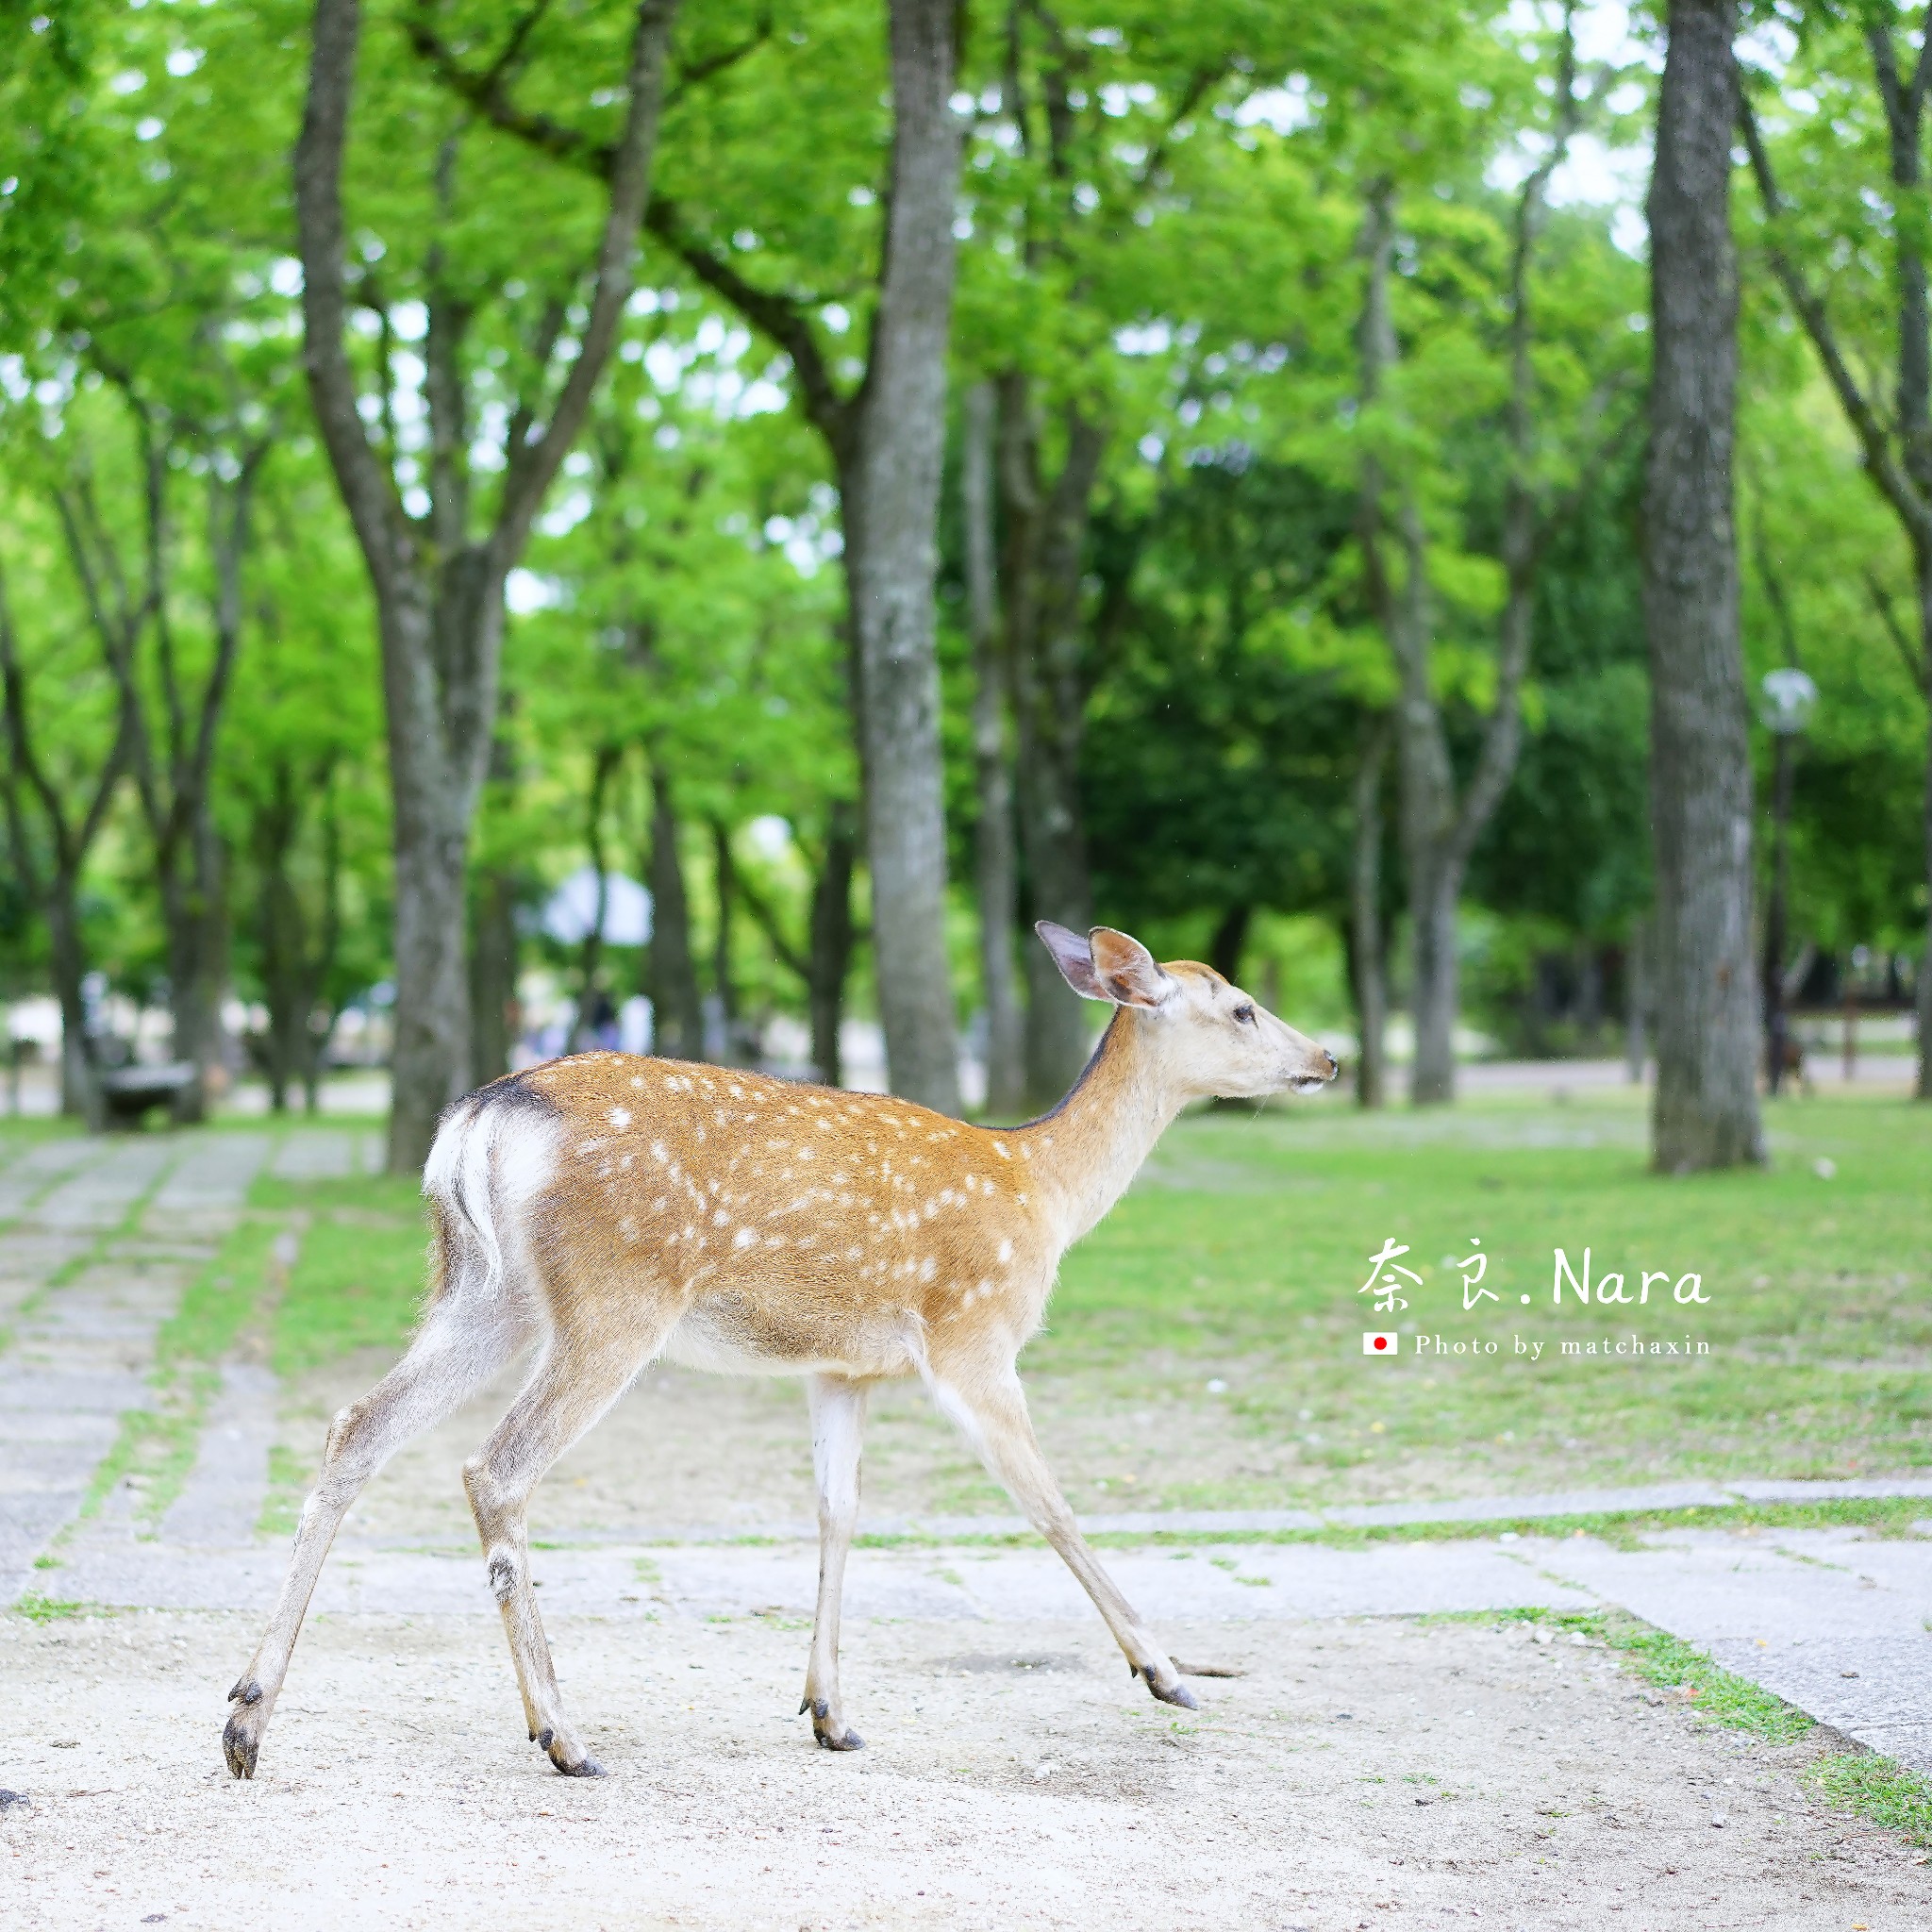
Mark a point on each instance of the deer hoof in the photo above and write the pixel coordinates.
(1176, 1692)
(569, 1761)
(241, 1743)
(846, 1740)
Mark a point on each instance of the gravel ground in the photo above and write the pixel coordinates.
(1377, 1772)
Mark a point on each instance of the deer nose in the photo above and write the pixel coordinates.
(1334, 1065)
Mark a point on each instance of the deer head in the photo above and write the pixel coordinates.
(1201, 1035)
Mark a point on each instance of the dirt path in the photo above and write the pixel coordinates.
(1388, 1774)
(1374, 1765)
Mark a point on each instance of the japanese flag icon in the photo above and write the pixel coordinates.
(1379, 1342)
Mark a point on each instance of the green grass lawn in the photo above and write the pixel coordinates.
(1236, 1260)
(1240, 1255)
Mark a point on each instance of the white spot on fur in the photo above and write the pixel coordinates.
(620, 1117)
(999, 1148)
(1006, 1250)
(744, 1237)
(928, 1268)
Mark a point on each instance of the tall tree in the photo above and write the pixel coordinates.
(439, 583)
(890, 499)
(995, 875)
(56, 810)
(174, 719)
(1439, 821)
(1896, 443)
(882, 423)
(1705, 1109)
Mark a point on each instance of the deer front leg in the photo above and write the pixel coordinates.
(990, 1412)
(837, 1423)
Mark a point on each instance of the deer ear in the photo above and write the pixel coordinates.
(1073, 956)
(1128, 972)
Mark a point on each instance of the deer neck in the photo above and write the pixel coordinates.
(1088, 1148)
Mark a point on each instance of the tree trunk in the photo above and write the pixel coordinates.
(1636, 1001)
(1040, 582)
(1921, 985)
(80, 1076)
(829, 959)
(440, 591)
(1229, 941)
(891, 508)
(1705, 1113)
(677, 1013)
(590, 949)
(1425, 791)
(995, 864)
(1924, 983)
(493, 946)
(492, 973)
(194, 912)
(59, 888)
(278, 926)
(1368, 949)
(724, 881)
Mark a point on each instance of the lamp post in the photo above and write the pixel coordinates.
(1787, 700)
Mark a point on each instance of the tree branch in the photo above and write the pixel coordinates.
(1888, 616)
(783, 318)
(1886, 471)
(630, 193)
(765, 916)
(366, 489)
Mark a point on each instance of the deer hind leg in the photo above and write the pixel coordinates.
(459, 1347)
(576, 1380)
(990, 1409)
(838, 1423)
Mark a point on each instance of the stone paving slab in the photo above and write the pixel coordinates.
(221, 1500)
(968, 1586)
(204, 1192)
(315, 1154)
(77, 1364)
(36, 1169)
(28, 1256)
(100, 1193)
(1833, 1620)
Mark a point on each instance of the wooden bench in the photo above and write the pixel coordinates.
(128, 1093)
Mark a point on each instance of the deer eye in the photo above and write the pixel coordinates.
(1246, 1013)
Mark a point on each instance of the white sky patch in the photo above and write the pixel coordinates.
(664, 364)
(770, 837)
(1593, 173)
(525, 592)
(1287, 109)
(567, 515)
(1144, 339)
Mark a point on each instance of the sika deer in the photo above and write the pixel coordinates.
(614, 1209)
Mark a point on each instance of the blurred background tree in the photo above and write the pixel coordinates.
(1286, 560)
